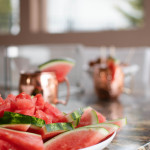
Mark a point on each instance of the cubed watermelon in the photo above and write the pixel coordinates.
(23, 95)
(23, 104)
(39, 102)
(29, 112)
(52, 111)
(1, 101)
(40, 114)
(6, 106)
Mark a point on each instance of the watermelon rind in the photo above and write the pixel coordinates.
(70, 135)
(16, 118)
(53, 129)
(74, 117)
(19, 127)
(105, 125)
(94, 117)
(120, 122)
(59, 126)
(23, 140)
(89, 117)
(54, 62)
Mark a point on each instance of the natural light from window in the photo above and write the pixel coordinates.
(9, 17)
(93, 15)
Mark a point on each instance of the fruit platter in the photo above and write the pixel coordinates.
(28, 122)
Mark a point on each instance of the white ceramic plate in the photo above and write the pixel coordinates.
(101, 145)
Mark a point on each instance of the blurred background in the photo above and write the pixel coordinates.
(35, 31)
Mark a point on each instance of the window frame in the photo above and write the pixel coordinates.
(33, 31)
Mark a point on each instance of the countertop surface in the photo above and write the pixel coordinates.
(136, 107)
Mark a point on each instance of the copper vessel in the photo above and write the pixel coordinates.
(42, 82)
(105, 86)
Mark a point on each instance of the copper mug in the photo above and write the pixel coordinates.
(105, 86)
(45, 83)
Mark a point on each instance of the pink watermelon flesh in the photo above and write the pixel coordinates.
(29, 112)
(109, 127)
(120, 122)
(1, 101)
(76, 139)
(86, 118)
(40, 114)
(89, 117)
(36, 106)
(19, 127)
(54, 112)
(6, 106)
(49, 135)
(23, 104)
(36, 130)
(39, 102)
(101, 118)
(42, 131)
(4, 145)
(61, 70)
(23, 95)
(23, 140)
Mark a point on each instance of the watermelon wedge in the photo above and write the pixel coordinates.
(89, 117)
(120, 122)
(108, 126)
(61, 67)
(4, 145)
(36, 130)
(101, 118)
(22, 140)
(54, 129)
(73, 117)
(76, 139)
(19, 127)
(16, 118)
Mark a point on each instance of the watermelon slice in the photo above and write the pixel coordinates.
(89, 117)
(54, 129)
(4, 145)
(76, 139)
(16, 118)
(36, 130)
(23, 140)
(108, 126)
(61, 67)
(52, 111)
(19, 127)
(42, 115)
(101, 118)
(120, 122)
(74, 117)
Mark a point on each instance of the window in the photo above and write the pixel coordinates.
(9, 17)
(68, 23)
(93, 15)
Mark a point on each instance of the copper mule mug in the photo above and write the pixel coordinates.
(45, 83)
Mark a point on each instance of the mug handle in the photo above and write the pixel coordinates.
(68, 93)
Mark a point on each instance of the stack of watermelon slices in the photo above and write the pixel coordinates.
(30, 123)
